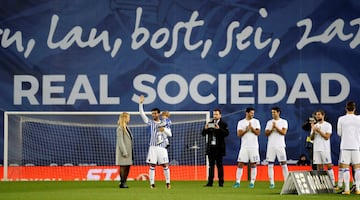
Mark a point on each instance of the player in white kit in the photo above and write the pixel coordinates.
(249, 130)
(348, 128)
(275, 130)
(320, 134)
(157, 153)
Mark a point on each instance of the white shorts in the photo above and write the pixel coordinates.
(322, 157)
(249, 154)
(276, 152)
(157, 155)
(350, 156)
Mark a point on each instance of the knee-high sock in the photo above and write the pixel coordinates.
(340, 177)
(253, 174)
(271, 172)
(332, 176)
(239, 173)
(167, 174)
(347, 179)
(152, 175)
(357, 179)
(285, 171)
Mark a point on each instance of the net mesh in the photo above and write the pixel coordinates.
(83, 139)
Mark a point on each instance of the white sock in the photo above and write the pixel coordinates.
(152, 175)
(253, 174)
(285, 171)
(271, 173)
(347, 179)
(331, 175)
(357, 179)
(340, 177)
(167, 174)
(239, 173)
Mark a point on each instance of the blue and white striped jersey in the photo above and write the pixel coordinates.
(153, 128)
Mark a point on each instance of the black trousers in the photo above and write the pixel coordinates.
(218, 160)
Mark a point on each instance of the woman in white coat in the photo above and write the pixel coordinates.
(124, 148)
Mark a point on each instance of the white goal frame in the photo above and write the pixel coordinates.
(24, 113)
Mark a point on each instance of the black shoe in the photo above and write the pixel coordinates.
(208, 185)
(168, 186)
(123, 185)
(340, 191)
(353, 188)
(221, 183)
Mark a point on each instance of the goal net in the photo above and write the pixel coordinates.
(81, 146)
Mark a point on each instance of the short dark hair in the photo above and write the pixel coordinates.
(156, 109)
(350, 106)
(276, 108)
(248, 109)
(321, 111)
(217, 109)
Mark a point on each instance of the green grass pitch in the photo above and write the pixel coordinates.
(181, 190)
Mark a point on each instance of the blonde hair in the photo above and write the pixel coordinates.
(122, 123)
(165, 113)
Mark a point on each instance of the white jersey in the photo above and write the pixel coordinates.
(348, 128)
(249, 139)
(320, 144)
(275, 139)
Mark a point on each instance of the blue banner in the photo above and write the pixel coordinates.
(90, 55)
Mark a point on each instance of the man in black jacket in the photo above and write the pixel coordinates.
(216, 130)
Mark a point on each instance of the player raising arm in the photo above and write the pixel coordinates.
(157, 153)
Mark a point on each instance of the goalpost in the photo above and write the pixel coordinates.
(81, 146)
